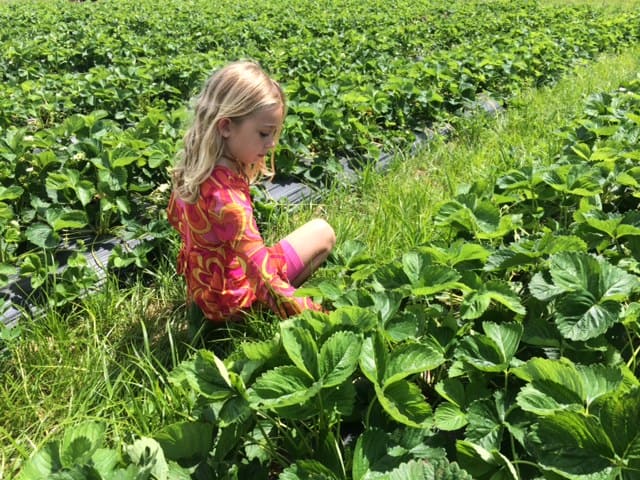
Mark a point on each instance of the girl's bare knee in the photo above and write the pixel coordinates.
(326, 234)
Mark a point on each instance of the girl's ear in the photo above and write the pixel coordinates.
(224, 127)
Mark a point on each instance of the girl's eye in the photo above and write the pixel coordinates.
(264, 135)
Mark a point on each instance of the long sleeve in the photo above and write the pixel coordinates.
(233, 222)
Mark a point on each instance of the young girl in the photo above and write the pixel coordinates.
(237, 121)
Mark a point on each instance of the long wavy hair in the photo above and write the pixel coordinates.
(236, 91)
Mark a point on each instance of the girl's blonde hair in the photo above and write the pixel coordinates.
(236, 91)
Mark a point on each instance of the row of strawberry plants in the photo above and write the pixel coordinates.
(437, 48)
(506, 349)
(369, 52)
(93, 97)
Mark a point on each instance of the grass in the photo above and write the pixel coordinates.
(107, 358)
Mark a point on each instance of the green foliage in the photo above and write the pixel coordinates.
(490, 356)
(94, 101)
(600, 444)
(507, 349)
(81, 454)
(587, 293)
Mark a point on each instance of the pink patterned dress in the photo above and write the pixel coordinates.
(225, 262)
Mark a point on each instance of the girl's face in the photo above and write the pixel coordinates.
(250, 140)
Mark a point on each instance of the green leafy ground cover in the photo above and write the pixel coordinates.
(508, 346)
(510, 338)
(93, 98)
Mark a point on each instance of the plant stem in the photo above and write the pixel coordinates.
(632, 360)
(514, 453)
(275, 453)
(369, 410)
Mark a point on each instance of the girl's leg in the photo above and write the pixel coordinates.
(313, 242)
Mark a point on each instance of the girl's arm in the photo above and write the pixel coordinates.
(235, 223)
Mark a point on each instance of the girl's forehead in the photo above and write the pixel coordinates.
(269, 116)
